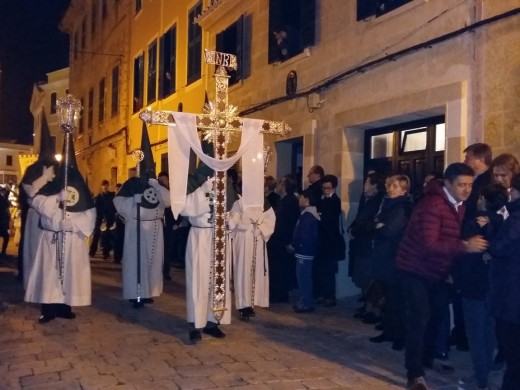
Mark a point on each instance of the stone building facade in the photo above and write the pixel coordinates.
(403, 88)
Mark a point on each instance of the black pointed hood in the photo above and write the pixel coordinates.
(47, 146)
(148, 164)
(139, 185)
(79, 195)
(46, 155)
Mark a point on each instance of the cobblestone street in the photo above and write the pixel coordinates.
(112, 346)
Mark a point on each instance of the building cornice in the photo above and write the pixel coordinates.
(219, 10)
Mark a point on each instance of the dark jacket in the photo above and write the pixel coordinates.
(432, 238)
(331, 242)
(363, 227)
(287, 213)
(470, 270)
(504, 289)
(394, 214)
(479, 183)
(306, 232)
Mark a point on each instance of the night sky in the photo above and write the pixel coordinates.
(31, 45)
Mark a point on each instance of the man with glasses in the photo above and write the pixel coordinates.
(315, 176)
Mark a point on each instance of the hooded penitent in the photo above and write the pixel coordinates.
(139, 185)
(79, 197)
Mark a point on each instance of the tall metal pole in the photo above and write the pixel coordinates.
(138, 156)
(68, 110)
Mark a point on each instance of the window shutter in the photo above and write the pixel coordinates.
(247, 30)
(308, 22)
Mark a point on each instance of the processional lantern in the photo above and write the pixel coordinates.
(68, 109)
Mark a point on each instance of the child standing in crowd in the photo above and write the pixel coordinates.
(304, 245)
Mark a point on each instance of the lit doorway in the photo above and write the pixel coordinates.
(289, 159)
(414, 149)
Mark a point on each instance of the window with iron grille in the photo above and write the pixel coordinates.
(167, 62)
(138, 82)
(93, 18)
(152, 73)
(236, 39)
(194, 44)
(115, 91)
(81, 123)
(292, 25)
(101, 103)
(54, 98)
(90, 118)
(369, 8)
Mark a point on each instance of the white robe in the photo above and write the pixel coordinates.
(243, 234)
(43, 284)
(152, 246)
(199, 255)
(32, 234)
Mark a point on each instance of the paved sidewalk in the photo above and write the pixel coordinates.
(112, 346)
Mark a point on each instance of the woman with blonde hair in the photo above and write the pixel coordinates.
(390, 224)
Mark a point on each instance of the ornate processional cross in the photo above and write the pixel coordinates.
(218, 123)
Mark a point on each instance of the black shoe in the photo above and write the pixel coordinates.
(379, 327)
(329, 303)
(135, 304)
(370, 318)
(360, 315)
(398, 345)
(214, 332)
(303, 309)
(195, 336)
(361, 309)
(251, 312)
(380, 339)
(67, 315)
(46, 318)
(147, 300)
(244, 314)
(439, 367)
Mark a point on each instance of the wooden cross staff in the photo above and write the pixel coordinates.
(218, 123)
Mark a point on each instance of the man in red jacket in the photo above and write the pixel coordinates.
(426, 253)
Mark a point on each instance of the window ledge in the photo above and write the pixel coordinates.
(394, 13)
(291, 61)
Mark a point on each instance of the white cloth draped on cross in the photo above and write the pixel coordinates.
(184, 136)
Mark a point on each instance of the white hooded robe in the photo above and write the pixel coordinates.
(43, 283)
(244, 233)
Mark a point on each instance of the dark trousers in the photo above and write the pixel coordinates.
(282, 272)
(119, 238)
(424, 299)
(4, 233)
(324, 275)
(169, 245)
(394, 312)
(95, 240)
(511, 332)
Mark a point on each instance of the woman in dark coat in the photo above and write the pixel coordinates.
(504, 287)
(282, 265)
(391, 222)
